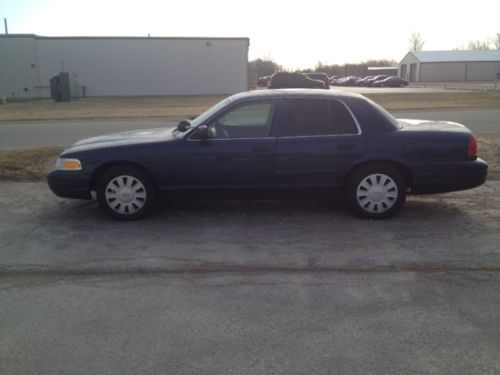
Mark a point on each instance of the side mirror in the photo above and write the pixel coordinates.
(183, 125)
(202, 133)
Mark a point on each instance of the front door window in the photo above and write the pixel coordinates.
(245, 121)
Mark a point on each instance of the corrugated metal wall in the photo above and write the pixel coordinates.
(481, 71)
(457, 71)
(447, 71)
(19, 75)
(443, 72)
(134, 66)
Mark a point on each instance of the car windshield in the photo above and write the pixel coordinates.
(210, 112)
(205, 115)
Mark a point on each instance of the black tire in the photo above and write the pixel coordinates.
(126, 193)
(376, 191)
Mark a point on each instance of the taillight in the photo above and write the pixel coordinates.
(472, 148)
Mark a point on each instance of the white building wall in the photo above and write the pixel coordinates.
(443, 72)
(482, 71)
(19, 76)
(408, 61)
(438, 66)
(145, 66)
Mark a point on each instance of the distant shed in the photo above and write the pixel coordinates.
(449, 66)
(124, 66)
(387, 70)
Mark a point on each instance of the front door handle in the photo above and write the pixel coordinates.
(262, 148)
(346, 146)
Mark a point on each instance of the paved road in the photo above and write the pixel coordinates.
(481, 121)
(64, 133)
(27, 134)
(257, 288)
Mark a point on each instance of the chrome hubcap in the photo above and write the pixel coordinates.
(125, 194)
(377, 193)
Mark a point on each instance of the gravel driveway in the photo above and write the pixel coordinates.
(43, 232)
(249, 287)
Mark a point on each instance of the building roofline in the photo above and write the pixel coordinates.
(381, 67)
(122, 37)
(453, 56)
(17, 35)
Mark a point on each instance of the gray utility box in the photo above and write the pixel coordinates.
(64, 87)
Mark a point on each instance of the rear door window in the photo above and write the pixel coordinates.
(314, 117)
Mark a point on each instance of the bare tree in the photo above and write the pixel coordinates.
(496, 41)
(416, 42)
(263, 67)
(478, 45)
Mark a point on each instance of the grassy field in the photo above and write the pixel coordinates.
(33, 164)
(189, 106)
(27, 165)
(395, 101)
(115, 107)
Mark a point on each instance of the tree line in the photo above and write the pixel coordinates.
(417, 43)
(267, 67)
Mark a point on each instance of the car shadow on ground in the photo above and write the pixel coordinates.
(74, 235)
(417, 209)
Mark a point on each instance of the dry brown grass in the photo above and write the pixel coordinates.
(33, 164)
(27, 165)
(489, 150)
(395, 101)
(113, 107)
(189, 106)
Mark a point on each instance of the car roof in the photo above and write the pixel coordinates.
(290, 93)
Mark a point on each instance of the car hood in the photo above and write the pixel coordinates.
(427, 125)
(125, 138)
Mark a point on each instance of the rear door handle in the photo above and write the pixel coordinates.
(346, 146)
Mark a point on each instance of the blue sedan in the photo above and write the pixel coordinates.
(274, 144)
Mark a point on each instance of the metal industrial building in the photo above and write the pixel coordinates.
(119, 66)
(450, 66)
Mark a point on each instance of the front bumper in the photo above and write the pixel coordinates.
(433, 178)
(69, 184)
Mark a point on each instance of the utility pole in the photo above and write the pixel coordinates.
(5, 24)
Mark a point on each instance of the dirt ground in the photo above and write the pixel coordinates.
(249, 287)
(41, 232)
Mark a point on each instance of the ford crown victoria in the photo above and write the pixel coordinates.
(273, 144)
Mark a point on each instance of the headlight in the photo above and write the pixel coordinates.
(63, 164)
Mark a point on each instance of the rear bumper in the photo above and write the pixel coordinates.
(69, 184)
(434, 178)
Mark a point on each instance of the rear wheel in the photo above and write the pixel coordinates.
(376, 192)
(126, 193)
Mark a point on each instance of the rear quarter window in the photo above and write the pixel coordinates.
(341, 118)
(371, 117)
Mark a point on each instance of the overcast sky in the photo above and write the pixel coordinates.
(295, 34)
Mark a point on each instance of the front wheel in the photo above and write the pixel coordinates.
(126, 193)
(376, 192)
